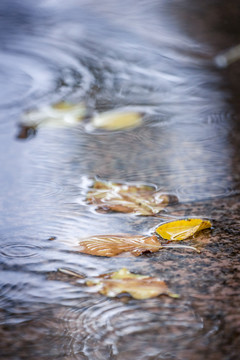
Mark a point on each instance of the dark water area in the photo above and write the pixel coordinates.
(155, 57)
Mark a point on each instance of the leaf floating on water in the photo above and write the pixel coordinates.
(182, 229)
(117, 120)
(124, 274)
(138, 199)
(123, 281)
(57, 115)
(138, 286)
(112, 245)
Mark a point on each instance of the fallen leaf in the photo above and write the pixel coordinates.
(182, 229)
(116, 120)
(59, 114)
(124, 274)
(112, 245)
(138, 286)
(138, 199)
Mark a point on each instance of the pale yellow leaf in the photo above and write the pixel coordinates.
(117, 120)
(126, 274)
(138, 286)
(59, 114)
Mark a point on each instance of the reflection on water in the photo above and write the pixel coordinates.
(111, 55)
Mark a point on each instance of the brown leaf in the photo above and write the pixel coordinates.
(112, 245)
(138, 199)
(138, 286)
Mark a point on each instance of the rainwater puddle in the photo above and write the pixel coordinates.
(137, 55)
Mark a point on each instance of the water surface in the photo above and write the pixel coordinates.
(153, 57)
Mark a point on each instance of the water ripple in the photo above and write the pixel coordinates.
(109, 326)
(206, 190)
(19, 251)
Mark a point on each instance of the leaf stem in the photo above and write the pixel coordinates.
(181, 246)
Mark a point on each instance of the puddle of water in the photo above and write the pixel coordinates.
(111, 55)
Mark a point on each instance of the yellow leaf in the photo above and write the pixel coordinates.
(182, 229)
(117, 120)
(112, 245)
(59, 114)
(126, 274)
(138, 286)
(139, 199)
(65, 106)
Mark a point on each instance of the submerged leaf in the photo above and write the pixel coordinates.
(124, 274)
(59, 114)
(138, 286)
(182, 229)
(138, 199)
(112, 245)
(117, 120)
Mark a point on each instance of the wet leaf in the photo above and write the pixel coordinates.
(60, 114)
(117, 120)
(138, 286)
(182, 229)
(124, 274)
(138, 199)
(112, 245)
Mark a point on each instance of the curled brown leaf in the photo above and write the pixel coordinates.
(139, 199)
